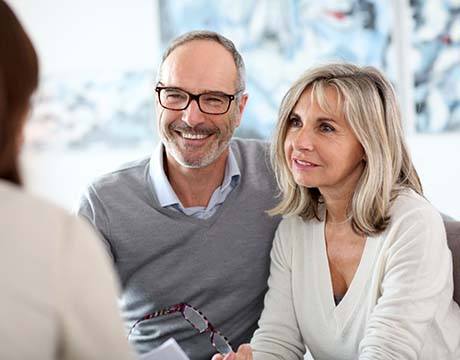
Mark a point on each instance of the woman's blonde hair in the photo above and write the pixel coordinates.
(369, 104)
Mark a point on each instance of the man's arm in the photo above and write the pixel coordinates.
(92, 209)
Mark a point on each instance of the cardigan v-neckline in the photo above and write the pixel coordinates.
(343, 311)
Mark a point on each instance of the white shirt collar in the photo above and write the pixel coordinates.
(162, 188)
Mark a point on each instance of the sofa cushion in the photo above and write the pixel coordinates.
(453, 239)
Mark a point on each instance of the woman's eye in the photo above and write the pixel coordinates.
(295, 122)
(326, 128)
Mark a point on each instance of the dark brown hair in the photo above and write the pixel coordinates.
(18, 81)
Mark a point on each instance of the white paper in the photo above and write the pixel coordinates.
(169, 350)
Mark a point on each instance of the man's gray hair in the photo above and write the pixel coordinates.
(211, 36)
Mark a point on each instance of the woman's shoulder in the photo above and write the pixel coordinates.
(412, 214)
(28, 219)
(410, 205)
(19, 204)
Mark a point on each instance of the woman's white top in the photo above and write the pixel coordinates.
(399, 304)
(58, 294)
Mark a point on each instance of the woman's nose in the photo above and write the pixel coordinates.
(303, 139)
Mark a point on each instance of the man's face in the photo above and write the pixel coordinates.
(192, 138)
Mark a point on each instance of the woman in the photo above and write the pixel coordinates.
(58, 295)
(360, 264)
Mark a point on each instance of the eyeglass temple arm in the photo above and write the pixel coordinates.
(172, 309)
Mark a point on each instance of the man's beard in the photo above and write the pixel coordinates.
(214, 148)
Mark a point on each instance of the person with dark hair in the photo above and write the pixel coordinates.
(58, 291)
(186, 227)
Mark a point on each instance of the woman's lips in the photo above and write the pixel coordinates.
(304, 164)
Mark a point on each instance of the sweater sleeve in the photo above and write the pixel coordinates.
(278, 336)
(417, 275)
(90, 323)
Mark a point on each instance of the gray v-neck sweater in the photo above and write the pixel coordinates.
(219, 265)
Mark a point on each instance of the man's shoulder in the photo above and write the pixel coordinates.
(251, 152)
(253, 159)
(248, 145)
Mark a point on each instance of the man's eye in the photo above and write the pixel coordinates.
(325, 127)
(213, 100)
(175, 96)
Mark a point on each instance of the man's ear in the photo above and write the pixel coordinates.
(242, 103)
(241, 106)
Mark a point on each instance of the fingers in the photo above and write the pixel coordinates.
(229, 356)
(244, 352)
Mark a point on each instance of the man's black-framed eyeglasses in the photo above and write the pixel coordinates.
(212, 102)
(198, 321)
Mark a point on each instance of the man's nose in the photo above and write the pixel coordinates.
(192, 115)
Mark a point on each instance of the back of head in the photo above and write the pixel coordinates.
(18, 80)
(369, 104)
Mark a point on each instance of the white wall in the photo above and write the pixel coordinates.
(436, 158)
(91, 34)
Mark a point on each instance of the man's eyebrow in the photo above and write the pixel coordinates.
(205, 91)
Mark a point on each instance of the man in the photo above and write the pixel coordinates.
(188, 225)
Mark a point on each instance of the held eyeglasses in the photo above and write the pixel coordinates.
(198, 321)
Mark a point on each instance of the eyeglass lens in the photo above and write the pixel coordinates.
(221, 344)
(195, 318)
(200, 323)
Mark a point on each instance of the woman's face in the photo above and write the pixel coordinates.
(321, 149)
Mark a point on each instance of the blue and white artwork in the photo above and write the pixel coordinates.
(436, 41)
(280, 39)
(84, 109)
(97, 70)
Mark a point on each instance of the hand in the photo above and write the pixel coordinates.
(244, 353)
